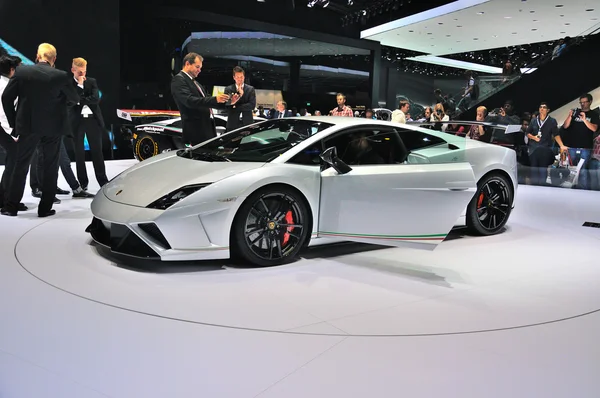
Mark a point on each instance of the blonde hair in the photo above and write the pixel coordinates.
(46, 52)
(482, 109)
(79, 62)
(439, 106)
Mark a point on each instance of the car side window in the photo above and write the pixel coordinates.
(414, 140)
(309, 156)
(369, 146)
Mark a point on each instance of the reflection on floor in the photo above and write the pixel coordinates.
(510, 315)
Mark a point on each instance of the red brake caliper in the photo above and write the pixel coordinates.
(289, 219)
(480, 201)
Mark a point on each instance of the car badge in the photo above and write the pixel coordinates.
(119, 192)
(271, 225)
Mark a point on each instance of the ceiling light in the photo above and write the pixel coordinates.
(480, 13)
(590, 9)
(558, 5)
(507, 17)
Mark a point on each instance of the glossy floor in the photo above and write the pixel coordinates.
(511, 315)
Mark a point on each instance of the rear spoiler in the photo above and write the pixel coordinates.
(128, 114)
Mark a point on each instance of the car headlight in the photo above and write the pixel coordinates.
(170, 199)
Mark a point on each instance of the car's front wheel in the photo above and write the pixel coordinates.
(490, 208)
(271, 227)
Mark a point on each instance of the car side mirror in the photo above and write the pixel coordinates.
(330, 157)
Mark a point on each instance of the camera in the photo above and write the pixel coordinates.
(439, 111)
(576, 112)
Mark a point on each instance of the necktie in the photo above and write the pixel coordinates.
(281, 115)
(202, 92)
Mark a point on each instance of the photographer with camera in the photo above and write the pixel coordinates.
(576, 136)
(439, 116)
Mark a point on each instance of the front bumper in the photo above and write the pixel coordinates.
(122, 240)
(151, 234)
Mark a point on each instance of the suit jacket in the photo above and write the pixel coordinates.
(89, 96)
(44, 94)
(245, 104)
(286, 113)
(191, 103)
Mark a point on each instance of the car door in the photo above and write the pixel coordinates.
(393, 204)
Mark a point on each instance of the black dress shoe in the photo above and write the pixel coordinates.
(84, 188)
(8, 213)
(56, 201)
(83, 195)
(36, 193)
(22, 207)
(47, 214)
(62, 191)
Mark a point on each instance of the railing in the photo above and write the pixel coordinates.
(490, 85)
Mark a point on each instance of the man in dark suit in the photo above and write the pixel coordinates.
(40, 116)
(245, 105)
(281, 111)
(193, 102)
(8, 66)
(86, 120)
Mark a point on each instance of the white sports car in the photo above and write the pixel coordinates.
(264, 192)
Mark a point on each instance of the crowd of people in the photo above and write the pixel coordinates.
(41, 106)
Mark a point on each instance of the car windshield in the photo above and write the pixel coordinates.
(261, 142)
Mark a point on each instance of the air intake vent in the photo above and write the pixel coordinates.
(154, 233)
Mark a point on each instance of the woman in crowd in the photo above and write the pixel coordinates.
(439, 116)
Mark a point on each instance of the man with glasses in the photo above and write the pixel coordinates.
(577, 135)
(540, 133)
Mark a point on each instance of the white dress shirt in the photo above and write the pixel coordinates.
(85, 111)
(3, 119)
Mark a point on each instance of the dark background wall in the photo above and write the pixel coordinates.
(82, 28)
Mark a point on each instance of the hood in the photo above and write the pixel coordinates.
(147, 182)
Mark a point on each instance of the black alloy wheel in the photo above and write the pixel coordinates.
(271, 227)
(491, 206)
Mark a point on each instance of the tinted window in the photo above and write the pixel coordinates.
(368, 146)
(414, 140)
(309, 156)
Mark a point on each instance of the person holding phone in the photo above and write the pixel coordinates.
(240, 113)
(193, 102)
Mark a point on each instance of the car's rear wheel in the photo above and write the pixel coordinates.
(490, 208)
(147, 145)
(271, 227)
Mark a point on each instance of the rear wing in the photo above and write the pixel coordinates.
(129, 114)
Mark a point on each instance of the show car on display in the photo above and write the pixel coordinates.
(264, 192)
(159, 131)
